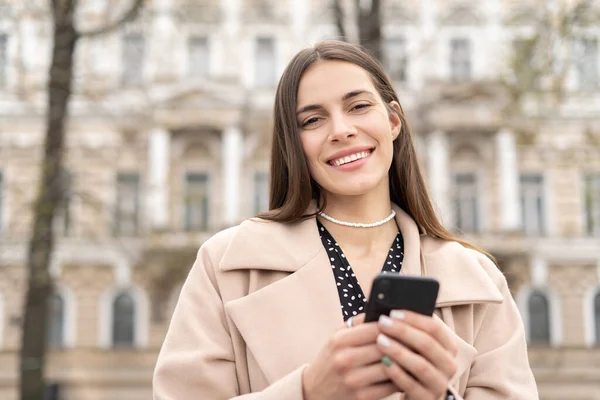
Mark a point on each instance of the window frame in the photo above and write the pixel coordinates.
(542, 211)
(459, 76)
(478, 203)
(272, 80)
(135, 75)
(118, 218)
(206, 223)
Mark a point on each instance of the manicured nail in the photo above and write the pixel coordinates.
(383, 340)
(387, 361)
(386, 321)
(398, 314)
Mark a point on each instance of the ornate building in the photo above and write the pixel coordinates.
(168, 142)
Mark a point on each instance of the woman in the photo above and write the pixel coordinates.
(261, 314)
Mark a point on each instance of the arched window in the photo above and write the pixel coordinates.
(597, 317)
(539, 318)
(123, 326)
(56, 321)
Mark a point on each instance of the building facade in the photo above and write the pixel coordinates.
(169, 139)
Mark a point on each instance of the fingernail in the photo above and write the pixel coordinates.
(387, 361)
(386, 321)
(383, 340)
(398, 314)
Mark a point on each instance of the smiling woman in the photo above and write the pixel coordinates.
(272, 308)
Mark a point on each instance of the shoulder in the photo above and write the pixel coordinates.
(463, 267)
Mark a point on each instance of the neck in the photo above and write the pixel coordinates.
(361, 210)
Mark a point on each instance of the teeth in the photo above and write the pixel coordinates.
(350, 158)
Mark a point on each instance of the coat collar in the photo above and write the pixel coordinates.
(299, 311)
(463, 280)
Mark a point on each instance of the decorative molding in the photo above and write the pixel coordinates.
(462, 15)
(589, 316)
(106, 318)
(69, 328)
(554, 310)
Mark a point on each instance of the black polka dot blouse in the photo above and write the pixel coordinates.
(352, 298)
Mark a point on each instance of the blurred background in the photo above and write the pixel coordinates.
(167, 140)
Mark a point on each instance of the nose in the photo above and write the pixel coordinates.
(341, 127)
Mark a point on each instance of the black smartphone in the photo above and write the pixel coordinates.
(399, 292)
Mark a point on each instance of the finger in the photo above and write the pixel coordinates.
(360, 335)
(422, 343)
(416, 365)
(358, 378)
(406, 383)
(433, 326)
(353, 357)
(377, 391)
(356, 320)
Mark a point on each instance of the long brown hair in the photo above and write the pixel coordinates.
(292, 187)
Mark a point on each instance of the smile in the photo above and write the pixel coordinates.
(350, 158)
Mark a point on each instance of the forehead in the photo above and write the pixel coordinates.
(329, 80)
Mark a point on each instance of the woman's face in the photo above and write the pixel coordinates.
(346, 131)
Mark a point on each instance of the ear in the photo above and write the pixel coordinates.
(395, 121)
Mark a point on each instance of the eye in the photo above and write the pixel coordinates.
(361, 106)
(310, 121)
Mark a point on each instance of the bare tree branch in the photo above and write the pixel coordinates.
(128, 16)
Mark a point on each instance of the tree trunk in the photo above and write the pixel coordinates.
(369, 28)
(33, 345)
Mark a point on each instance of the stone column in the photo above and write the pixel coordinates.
(159, 150)
(232, 155)
(508, 181)
(439, 175)
(233, 46)
(164, 36)
(29, 48)
(299, 11)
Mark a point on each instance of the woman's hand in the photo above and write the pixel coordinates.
(349, 366)
(420, 354)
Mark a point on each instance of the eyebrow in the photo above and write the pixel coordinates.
(345, 97)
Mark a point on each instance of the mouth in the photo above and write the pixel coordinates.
(338, 162)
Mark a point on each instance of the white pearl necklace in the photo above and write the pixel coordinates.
(358, 224)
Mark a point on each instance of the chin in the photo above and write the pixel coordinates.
(353, 189)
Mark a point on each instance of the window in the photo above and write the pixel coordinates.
(587, 63)
(3, 58)
(466, 205)
(133, 59)
(525, 63)
(261, 192)
(56, 321)
(396, 59)
(265, 61)
(592, 204)
(532, 204)
(123, 326)
(63, 220)
(196, 201)
(460, 60)
(539, 318)
(127, 207)
(199, 56)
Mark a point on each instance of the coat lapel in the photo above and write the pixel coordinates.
(293, 317)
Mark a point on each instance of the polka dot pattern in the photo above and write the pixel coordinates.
(352, 298)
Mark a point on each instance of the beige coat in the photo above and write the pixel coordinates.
(260, 303)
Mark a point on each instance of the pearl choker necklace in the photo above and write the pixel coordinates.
(358, 224)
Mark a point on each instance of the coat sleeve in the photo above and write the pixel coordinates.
(197, 360)
(501, 368)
